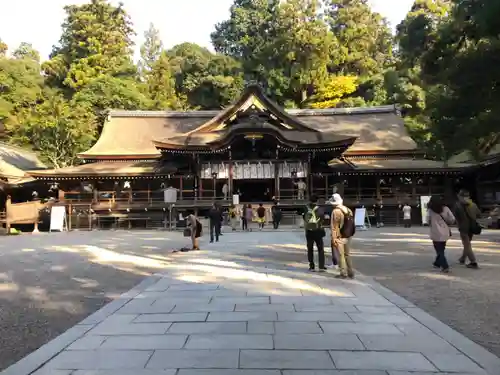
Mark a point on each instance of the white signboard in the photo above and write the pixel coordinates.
(424, 200)
(170, 195)
(360, 217)
(58, 219)
(236, 199)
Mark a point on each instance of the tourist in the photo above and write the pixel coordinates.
(248, 217)
(225, 191)
(314, 233)
(342, 229)
(261, 216)
(215, 217)
(377, 211)
(276, 214)
(244, 223)
(196, 229)
(233, 217)
(301, 187)
(439, 218)
(407, 215)
(466, 213)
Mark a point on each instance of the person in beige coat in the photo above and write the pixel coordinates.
(196, 230)
(439, 218)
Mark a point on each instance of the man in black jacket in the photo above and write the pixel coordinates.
(215, 216)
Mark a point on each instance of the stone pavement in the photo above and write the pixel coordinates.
(248, 306)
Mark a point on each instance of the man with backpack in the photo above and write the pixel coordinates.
(313, 224)
(466, 214)
(342, 228)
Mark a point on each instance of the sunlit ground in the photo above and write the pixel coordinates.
(269, 263)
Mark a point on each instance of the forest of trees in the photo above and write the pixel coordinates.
(442, 67)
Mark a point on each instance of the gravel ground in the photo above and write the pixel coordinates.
(48, 283)
(467, 300)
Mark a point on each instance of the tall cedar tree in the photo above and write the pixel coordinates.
(96, 41)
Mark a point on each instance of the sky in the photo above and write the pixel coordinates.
(38, 21)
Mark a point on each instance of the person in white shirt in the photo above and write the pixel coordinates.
(301, 187)
(407, 215)
(225, 191)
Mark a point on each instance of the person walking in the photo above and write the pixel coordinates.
(377, 211)
(248, 217)
(342, 230)
(466, 213)
(196, 230)
(215, 217)
(276, 215)
(407, 215)
(439, 218)
(233, 217)
(261, 216)
(314, 233)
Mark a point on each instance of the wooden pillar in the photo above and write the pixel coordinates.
(414, 189)
(358, 190)
(60, 195)
(149, 192)
(378, 194)
(327, 191)
(230, 176)
(277, 180)
(180, 187)
(309, 191)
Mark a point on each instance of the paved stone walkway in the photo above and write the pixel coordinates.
(248, 306)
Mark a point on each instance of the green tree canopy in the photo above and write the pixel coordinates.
(96, 40)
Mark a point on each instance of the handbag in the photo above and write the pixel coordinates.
(187, 232)
(474, 226)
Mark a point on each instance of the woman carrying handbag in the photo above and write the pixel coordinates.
(439, 218)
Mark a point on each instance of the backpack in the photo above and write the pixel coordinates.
(348, 229)
(311, 220)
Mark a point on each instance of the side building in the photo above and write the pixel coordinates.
(255, 149)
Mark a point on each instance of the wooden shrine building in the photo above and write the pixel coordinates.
(256, 149)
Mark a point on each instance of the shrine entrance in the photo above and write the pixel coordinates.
(255, 190)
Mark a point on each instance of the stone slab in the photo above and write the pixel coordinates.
(87, 343)
(147, 342)
(337, 372)
(454, 363)
(419, 344)
(317, 342)
(166, 318)
(313, 317)
(260, 328)
(230, 342)
(297, 327)
(305, 300)
(382, 318)
(379, 309)
(100, 360)
(242, 316)
(326, 308)
(241, 301)
(209, 327)
(265, 307)
(381, 361)
(285, 359)
(193, 286)
(125, 372)
(209, 307)
(131, 329)
(229, 372)
(202, 359)
(360, 328)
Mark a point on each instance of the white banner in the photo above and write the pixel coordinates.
(424, 200)
(360, 217)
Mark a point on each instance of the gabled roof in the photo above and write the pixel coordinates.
(134, 135)
(15, 161)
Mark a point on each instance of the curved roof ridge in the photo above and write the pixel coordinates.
(293, 112)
